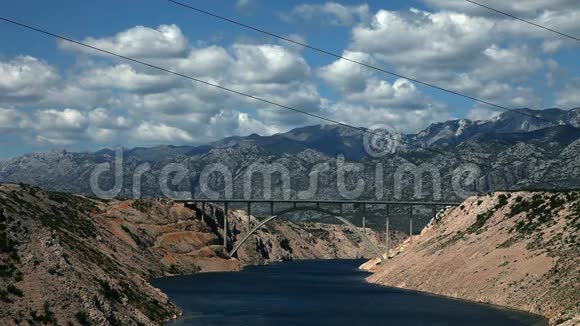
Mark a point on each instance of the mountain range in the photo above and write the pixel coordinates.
(512, 126)
(512, 151)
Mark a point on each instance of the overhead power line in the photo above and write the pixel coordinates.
(338, 56)
(523, 20)
(364, 130)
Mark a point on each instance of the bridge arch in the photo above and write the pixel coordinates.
(329, 213)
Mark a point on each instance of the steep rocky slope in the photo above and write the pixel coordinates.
(67, 258)
(518, 250)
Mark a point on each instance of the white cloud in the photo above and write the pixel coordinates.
(524, 9)
(139, 41)
(105, 119)
(402, 94)
(202, 62)
(25, 78)
(159, 133)
(569, 97)
(248, 125)
(332, 13)
(10, 119)
(507, 63)
(367, 100)
(566, 21)
(270, 71)
(409, 120)
(559, 15)
(268, 64)
(348, 76)
(422, 38)
(237, 123)
(126, 77)
(454, 51)
(58, 127)
(67, 119)
(245, 5)
(480, 113)
(196, 99)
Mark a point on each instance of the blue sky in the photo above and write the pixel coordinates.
(53, 95)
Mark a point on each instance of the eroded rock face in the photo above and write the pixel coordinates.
(67, 258)
(516, 249)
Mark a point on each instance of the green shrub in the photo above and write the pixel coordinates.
(83, 318)
(46, 318)
(4, 296)
(14, 290)
(142, 205)
(109, 293)
(503, 200)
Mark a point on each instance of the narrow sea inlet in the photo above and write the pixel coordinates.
(332, 292)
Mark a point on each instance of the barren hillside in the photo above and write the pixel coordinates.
(67, 258)
(518, 250)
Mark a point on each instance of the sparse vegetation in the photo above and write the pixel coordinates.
(136, 238)
(47, 317)
(173, 269)
(108, 292)
(7, 245)
(83, 318)
(539, 210)
(509, 242)
(12, 289)
(5, 296)
(503, 200)
(482, 218)
(142, 205)
(151, 308)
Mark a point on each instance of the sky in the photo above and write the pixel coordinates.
(57, 95)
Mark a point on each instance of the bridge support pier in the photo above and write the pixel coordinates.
(387, 235)
(411, 226)
(364, 225)
(364, 209)
(226, 226)
(249, 216)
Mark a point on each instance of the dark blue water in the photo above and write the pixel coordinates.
(318, 293)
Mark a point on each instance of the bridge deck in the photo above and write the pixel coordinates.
(311, 201)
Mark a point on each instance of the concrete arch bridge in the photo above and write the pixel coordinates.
(315, 206)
